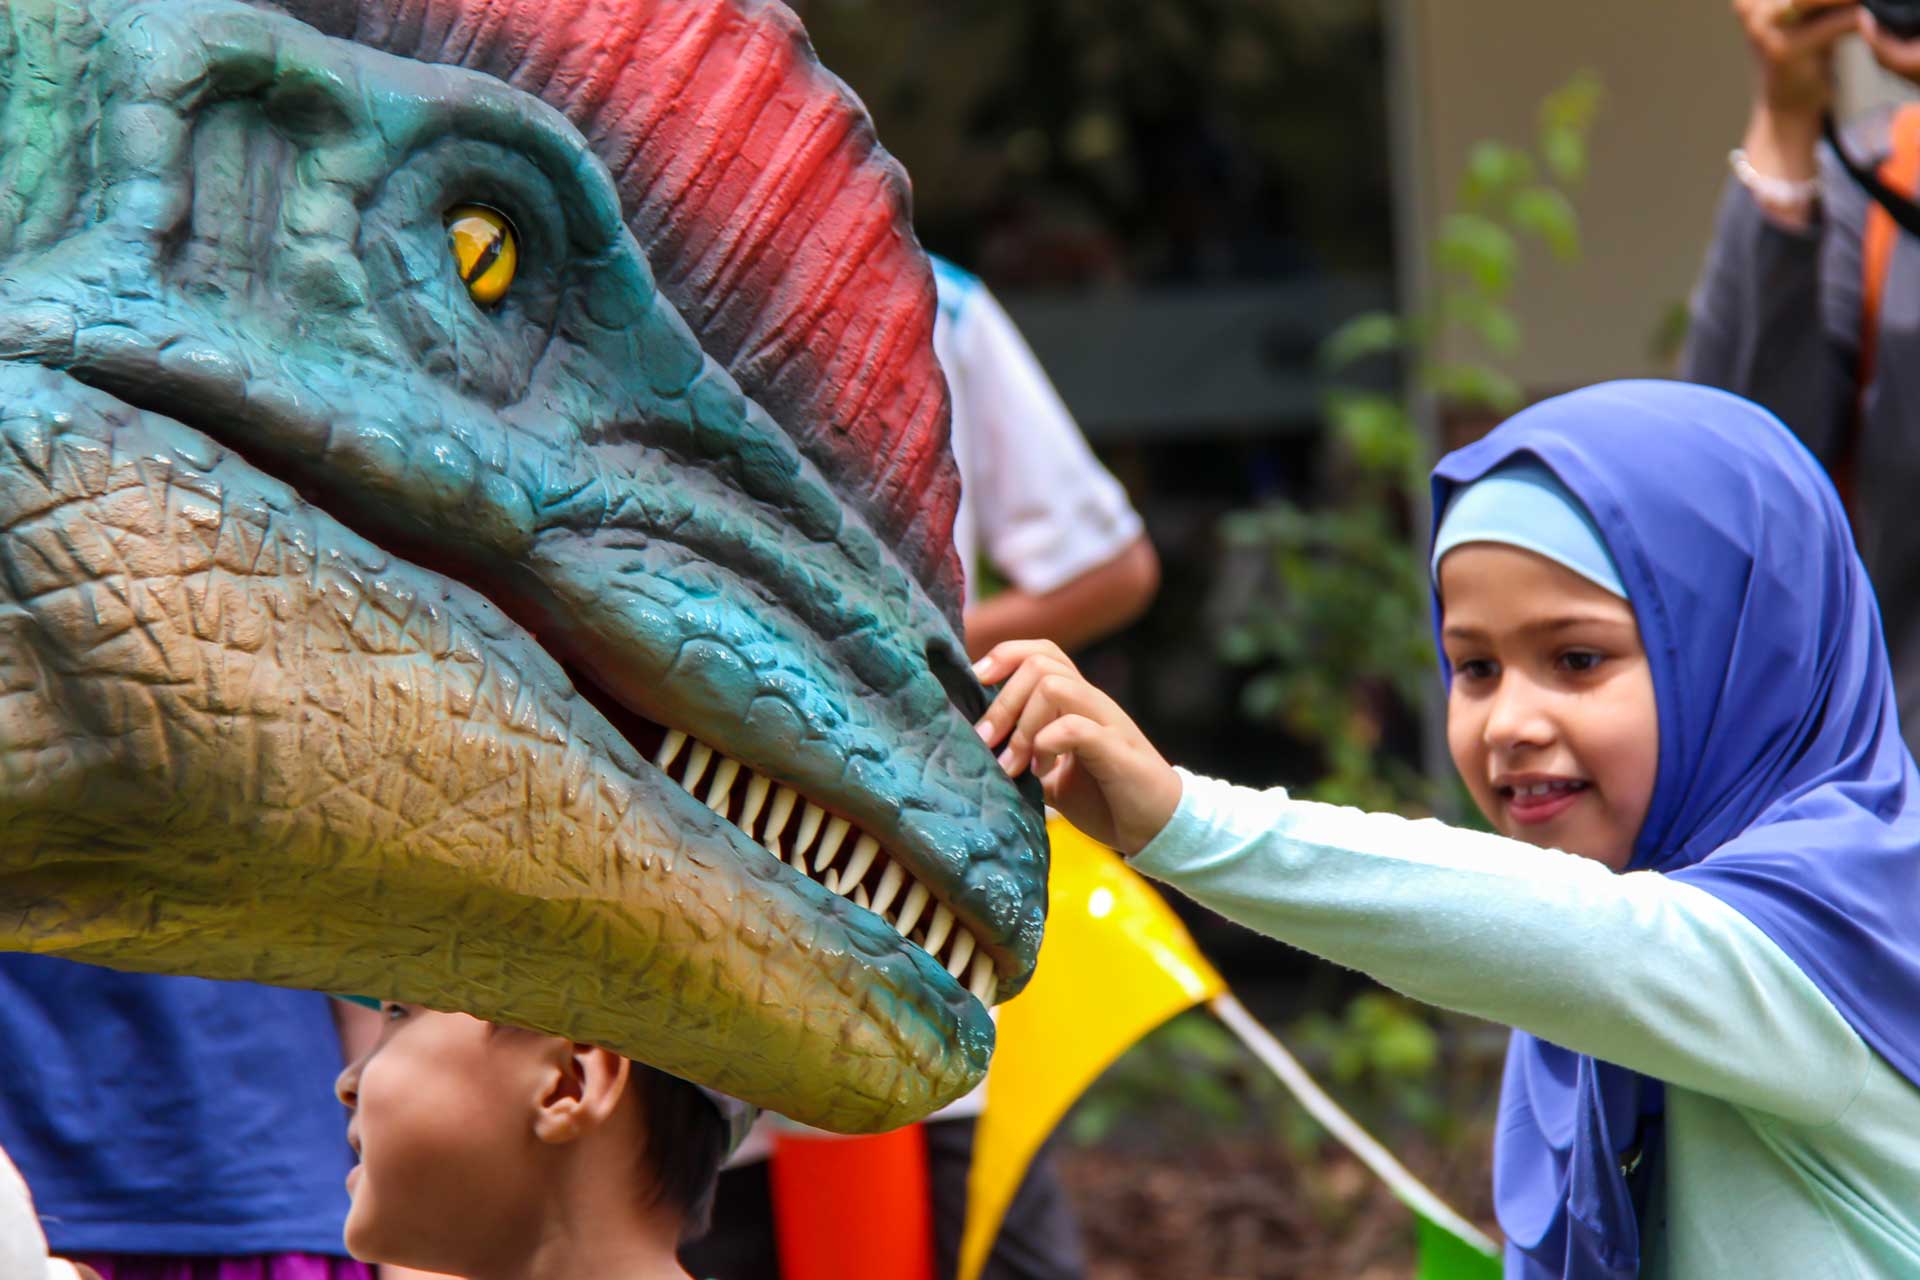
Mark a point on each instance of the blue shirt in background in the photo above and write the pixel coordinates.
(172, 1115)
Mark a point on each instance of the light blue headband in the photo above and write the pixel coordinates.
(1524, 505)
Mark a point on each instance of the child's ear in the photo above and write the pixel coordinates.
(581, 1091)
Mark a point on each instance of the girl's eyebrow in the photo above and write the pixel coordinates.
(1568, 621)
(1565, 622)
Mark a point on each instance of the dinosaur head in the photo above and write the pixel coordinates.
(553, 620)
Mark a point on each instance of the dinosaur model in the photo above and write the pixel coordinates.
(475, 529)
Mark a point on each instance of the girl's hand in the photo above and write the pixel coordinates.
(1094, 764)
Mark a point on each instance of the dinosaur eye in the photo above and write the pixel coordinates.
(485, 250)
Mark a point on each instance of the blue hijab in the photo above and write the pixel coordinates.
(1783, 786)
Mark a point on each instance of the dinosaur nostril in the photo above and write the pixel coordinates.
(951, 669)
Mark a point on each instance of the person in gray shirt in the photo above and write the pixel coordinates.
(1781, 313)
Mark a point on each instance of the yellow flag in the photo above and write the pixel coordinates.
(1116, 963)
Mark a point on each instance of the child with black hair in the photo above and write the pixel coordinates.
(494, 1153)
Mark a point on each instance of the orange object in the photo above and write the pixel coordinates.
(852, 1207)
(1901, 173)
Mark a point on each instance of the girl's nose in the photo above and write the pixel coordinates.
(1518, 716)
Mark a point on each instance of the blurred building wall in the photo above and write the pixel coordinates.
(1676, 84)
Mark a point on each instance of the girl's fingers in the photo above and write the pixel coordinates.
(1054, 696)
(1055, 766)
(1009, 654)
(1093, 747)
(1042, 707)
(1008, 704)
(1064, 736)
(1055, 772)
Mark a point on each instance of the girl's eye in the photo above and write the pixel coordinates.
(485, 250)
(1477, 669)
(1581, 661)
(392, 1012)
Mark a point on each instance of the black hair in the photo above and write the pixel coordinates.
(686, 1143)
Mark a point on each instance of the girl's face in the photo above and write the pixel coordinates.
(1551, 718)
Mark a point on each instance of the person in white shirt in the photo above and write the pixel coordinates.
(1034, 501)
(1037, 508)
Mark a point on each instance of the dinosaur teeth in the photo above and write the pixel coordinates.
(892, 881)
(830, 843)
(784, 798)
(963, 945)
(697, 761)
(865, 850)
(722, 784)
(937, 930)
(810, 820)
(756, 800)
(669, 750)
(867, 877)
(910, 909)
(981, 980)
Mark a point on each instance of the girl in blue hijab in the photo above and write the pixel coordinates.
(1662, 657)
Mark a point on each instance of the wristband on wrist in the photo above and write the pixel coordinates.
(1779, 193)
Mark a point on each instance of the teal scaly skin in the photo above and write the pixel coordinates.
(343, 619)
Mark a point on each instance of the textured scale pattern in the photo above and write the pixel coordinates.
(340, 616)
(774, 221)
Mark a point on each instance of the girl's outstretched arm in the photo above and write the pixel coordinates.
(1640, 970)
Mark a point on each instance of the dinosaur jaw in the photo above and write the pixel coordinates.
(830, 851)
(321, 766)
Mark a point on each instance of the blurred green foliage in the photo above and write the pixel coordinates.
(1397, 1067)
(1382, 1048)
(1191, 1072)
(1339, 628)
(1068, 143)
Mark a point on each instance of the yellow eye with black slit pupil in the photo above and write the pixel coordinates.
(485, 250)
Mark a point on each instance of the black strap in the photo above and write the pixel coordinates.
(1903, 211)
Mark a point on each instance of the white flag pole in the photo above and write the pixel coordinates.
(1412, 1192)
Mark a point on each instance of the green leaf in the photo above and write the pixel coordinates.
(1494, 324)
(1566, 153)
(1566, 118)
(1472, 385)
(1479, 250)
(1670, 333)
(1405, 1047)
(1574, 104)
(1493, 169)
(1372, 334)
(1374, 429)
(1547, 213)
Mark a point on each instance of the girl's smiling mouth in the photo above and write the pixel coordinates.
(1531, 799)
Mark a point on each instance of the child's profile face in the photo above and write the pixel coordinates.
(440, 1123)
(1551, 717)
